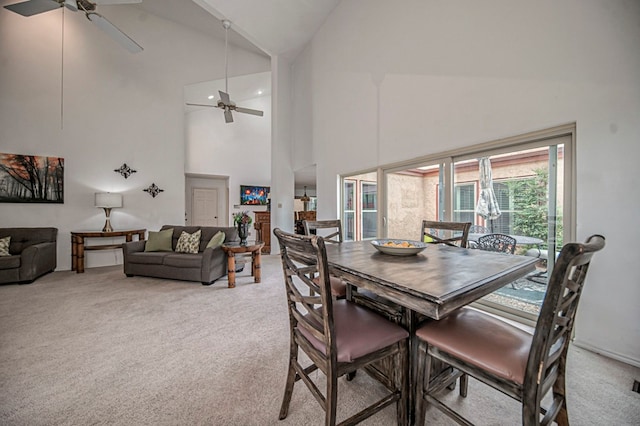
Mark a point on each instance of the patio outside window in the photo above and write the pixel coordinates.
(531, 180)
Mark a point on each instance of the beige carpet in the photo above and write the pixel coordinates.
(99, 348)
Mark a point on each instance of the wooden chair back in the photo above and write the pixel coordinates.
(333, 228)
(315, 323)
(548, 355)
(304, 264)
(500, 243)
(306, 215)
(449, 233)
(524, 367)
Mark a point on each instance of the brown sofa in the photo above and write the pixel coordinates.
(32, 252)
(206, 266)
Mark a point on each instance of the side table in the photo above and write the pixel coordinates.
(231, 249)
(78, 247)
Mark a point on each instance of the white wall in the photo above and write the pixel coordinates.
(240, 150)
(392, 81)
(118, 108)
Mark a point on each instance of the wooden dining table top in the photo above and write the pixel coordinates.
(434, 282)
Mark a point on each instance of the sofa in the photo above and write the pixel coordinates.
(206, 266)
(27, 253)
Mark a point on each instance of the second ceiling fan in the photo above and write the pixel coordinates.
(225, 102)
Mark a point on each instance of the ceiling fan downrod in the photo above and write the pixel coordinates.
(226, 24)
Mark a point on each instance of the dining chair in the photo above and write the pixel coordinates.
(522, 365)
(331, 232)
(449, 233)
(500, 243)
(337, 336)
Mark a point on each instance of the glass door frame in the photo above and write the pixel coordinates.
(564, 134)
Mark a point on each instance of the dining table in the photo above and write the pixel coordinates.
(430, 284)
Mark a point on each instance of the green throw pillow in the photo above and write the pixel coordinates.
(427, 239)
(159, 241)
(188, 243)
(4, 246)
(217, 240)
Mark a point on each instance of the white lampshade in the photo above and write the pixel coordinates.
(108, 200)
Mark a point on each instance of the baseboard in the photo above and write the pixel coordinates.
(608, 354)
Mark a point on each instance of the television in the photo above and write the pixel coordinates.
(251, 195)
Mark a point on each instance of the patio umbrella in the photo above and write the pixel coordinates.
(487, 206)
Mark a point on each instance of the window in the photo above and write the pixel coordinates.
(349, 212)
(360, 207)
(464, 202)
(531, 178)
(369, 210)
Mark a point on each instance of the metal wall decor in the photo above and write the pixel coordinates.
(153, 190)
(125, 171)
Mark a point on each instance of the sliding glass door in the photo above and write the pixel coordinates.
(531, 178)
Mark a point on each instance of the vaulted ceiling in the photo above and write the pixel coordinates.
(271, 27)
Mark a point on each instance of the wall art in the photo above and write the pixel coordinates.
(31, 179)
(153, 190)
(125, 171)
(254, 195)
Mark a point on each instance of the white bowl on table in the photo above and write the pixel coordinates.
(413, 248)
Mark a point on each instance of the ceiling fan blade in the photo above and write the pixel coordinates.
(224, 97)
(228, 118)
(33, 7)
(250, 111)
(203, 105)
(113, 32)
(72, 5)
(117, 1)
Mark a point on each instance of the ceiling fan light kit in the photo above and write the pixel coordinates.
(225, 102)
(34, 7)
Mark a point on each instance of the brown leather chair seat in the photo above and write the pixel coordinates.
(481, 340)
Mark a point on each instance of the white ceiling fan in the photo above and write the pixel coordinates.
(225, 102)
(34, 7)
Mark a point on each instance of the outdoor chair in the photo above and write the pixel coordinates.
(449, 233)
(500, 243)
(337, 336)
(334, 235)
(523, 366)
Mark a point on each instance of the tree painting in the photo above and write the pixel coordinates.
(31, 179)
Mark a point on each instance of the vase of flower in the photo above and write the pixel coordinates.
(242, 221)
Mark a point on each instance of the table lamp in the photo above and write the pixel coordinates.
(108, 201)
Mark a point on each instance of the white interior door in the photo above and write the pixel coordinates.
(204, 206)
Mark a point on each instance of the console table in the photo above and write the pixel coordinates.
(78, 246)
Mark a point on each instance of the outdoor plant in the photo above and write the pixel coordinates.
(530, 202)
(242, 217)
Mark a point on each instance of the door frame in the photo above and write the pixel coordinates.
(202, 181)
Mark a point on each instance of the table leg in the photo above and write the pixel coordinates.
(231, 266)
(80, 255)
(255, 265)
(74, 253)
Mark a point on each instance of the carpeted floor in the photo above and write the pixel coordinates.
(99, 348)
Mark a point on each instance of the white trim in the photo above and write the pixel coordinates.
(613, 355)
